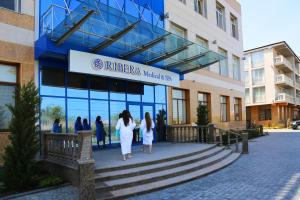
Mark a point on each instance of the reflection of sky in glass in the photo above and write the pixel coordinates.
(47, 108)
(134, 97)
(115, 109)
(98, 95)
(53, 91)
(135, 111)
(76, 107)
(148, 94)
(160, 94)
(77, 93)
(117, 96)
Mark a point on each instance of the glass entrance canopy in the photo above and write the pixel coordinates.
(106, 30)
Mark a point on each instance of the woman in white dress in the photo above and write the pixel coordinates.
(126, 125)
(147, 126)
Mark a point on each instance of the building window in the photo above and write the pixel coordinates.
(179, 106)
(257, 59)
(265, 113)
(259, 95)
(14, 5)
(237, 109)
(203, 100)
(220, 12)
(8, 83)
(183, 1)
(258, 76)
(247, 61)
(200, 7)
(247, 80)
(201, 41)
(224, 117)
(234, 26)
(223, 64)
(236, 68)
(178, 30)
(247, 96)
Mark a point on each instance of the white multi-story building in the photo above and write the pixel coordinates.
(215, 25)
(272, 82)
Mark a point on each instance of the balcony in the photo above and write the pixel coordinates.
(282, 63)
(284, 98)
(284, 80)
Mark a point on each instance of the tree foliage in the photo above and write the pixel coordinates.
(19, 158)
(202, 115)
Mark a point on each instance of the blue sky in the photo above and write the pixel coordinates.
(269, 21)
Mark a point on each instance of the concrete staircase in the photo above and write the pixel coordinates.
(124, 181)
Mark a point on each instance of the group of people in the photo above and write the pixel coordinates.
(84, 126)
(125, 126)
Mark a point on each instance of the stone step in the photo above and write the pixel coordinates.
(160, 175)
(106, 176)
(129, 166)
(157, 185)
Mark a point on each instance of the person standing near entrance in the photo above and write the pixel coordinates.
(126, 125)
(78, 125)
(100, 132)
(86, 126)
(147, 126)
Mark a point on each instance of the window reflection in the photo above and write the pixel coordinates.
(51, 109)
(100, 108)
(160, 94)
(115, 109)
(52, 82)
(118, 89)
(76, 107)
(6, 97)
(148, 94)
(99, 87)
(77, 85)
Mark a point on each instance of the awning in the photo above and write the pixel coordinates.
(109, 31)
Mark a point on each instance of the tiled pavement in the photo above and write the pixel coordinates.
(270, 172)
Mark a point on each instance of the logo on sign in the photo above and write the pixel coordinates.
(97, 64)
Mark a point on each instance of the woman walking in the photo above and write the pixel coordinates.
(126, 125)
(100, 132)
(147, 126)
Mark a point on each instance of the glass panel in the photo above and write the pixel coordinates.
(178, 94)
(223, 64)
(236, 67)
(148, 94)
(52, 82)
(77, 85)
(257, 59)
(135, 111)
(115, 109)
(8, 4)
(134, 97)
(259, 95)
(148, 109)
(160, 118)
(8, 73)
(258, 76)
(51, 109)
(160, 94)
(98, 88)
(118, 89)
(6, 97)
(76, 108)
(100, 108)
(175, 112)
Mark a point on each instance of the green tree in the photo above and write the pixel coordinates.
(161, 125)
(56, 112)
(19, 158)
(202, 115)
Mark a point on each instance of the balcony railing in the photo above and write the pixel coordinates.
(284, 80)
(284, 97)
(282, 61)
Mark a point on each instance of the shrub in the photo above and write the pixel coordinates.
(50, 181)
(19, 162)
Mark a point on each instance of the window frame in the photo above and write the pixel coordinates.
(200, 7)
(224, 53)
(17, 6)
(237, 108)
(207, 102)
(183, 100)
(265, 113)
(234, 26)
(253, 94)
(227, 106)
(220, 12)
(238, 67)
(16, 84)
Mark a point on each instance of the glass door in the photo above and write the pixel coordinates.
(135, 111)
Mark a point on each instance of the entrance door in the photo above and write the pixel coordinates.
(138, 111)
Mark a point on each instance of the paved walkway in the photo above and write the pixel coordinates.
(270, 172)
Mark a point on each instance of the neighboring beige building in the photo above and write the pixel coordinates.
(272, 80)
(16, 54)
(216, 25)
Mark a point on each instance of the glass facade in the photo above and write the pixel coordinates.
(68, 95)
